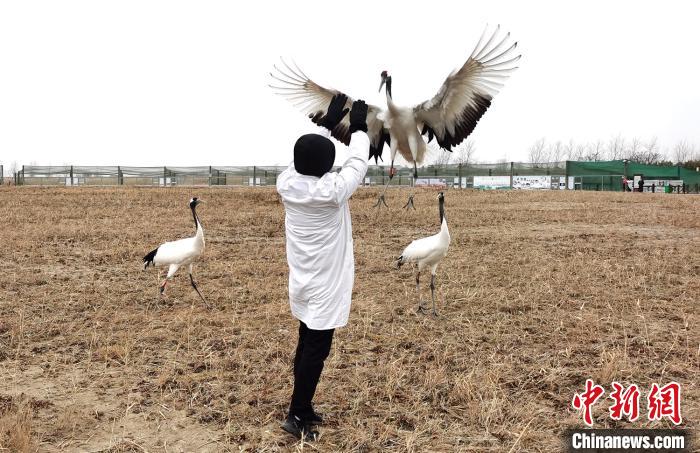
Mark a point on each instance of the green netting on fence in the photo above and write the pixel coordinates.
(630, 169)
(607, 175)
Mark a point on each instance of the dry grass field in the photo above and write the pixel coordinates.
(539, 291)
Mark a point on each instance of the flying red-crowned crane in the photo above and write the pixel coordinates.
(449, 117)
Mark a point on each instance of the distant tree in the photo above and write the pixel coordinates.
(643, 152)
(14, 168)
(537, 154)
(570, 149)
(616, 148)
(692, 164)
(464, 153)
(595, 152)
(682, 152)
(503, 163)
(579, 152)
(650, 153)
(633, 149)
(441, 158)
(556, 151)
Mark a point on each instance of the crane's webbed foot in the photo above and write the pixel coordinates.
(425, 310)
(380, 201)
(409, 204)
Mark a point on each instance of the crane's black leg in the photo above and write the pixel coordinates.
(409, 204)
(380, 200)
(432, 292)
(194, 285)
(421, 309)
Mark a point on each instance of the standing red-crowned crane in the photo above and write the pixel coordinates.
(178, 253)
(449, 117)
(427, 253)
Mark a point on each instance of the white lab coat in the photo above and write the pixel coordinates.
(319, 238)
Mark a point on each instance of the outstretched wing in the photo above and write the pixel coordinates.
(451, 115)
(313, 99)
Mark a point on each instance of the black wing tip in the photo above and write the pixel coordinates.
(469, 118)
(148, 259)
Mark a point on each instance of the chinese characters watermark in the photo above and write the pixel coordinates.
(662, 402)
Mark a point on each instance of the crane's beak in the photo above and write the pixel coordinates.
(381, 85)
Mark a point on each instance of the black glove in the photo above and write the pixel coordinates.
(358, 116)
(335, 112)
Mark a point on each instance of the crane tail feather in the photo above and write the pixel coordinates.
(149, 258)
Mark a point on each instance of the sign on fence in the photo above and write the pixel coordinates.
(532, 182)
(492, 182)
(431, 182)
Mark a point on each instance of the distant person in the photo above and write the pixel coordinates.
(624, 183)
(653, 187)
(320, 250)
(641, 185)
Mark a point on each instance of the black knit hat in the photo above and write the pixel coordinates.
(313, 155)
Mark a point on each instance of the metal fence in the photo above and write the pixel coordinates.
(514, 175)
(72, 175)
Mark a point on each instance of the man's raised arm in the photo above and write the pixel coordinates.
(355, 168)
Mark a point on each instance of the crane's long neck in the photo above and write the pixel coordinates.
(389, 99)
(197, 224)
(444, 231)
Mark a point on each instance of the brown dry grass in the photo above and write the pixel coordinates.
(538, 292)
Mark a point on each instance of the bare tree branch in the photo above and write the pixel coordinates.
(682, 152)
(537, 153)
(464, 153)
(616, 148)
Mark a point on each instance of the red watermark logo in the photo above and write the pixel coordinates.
(665, 402)
(662, 402)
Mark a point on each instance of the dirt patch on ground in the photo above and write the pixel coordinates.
(539, 291)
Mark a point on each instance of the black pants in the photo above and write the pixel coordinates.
(312, 350)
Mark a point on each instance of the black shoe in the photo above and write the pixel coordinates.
(315, 419)
(299, 429)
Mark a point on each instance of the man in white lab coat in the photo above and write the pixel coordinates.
(320, 250)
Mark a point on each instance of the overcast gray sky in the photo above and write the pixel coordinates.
(185, 83)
